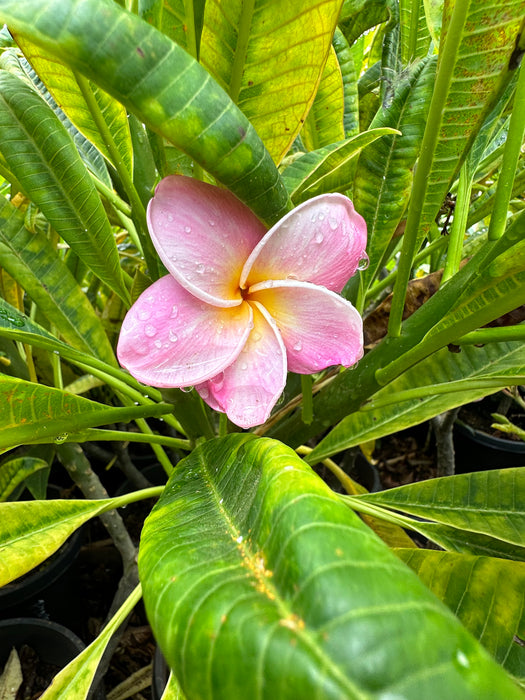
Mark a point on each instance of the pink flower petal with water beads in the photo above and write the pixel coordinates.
(249, 388)
(319, 328)
(203, 235)
(321, 241)
(169, 338)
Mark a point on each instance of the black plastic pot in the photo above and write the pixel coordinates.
(476, 450)
(53, 643)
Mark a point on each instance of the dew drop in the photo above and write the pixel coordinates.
(187, 229)
(363, 263)
(186, 389)
(174, 311)
(298, 346)
(199, 268)
(291, 276)
(61, 438)
(256, 336)
(173, 336)
(158, 343)
(218, 380)
(143, 314)
(319, 238)
(239, 539)
(150, 330)
(461, 659)
(313, 218)
(244, 365)
(211, 222)
(169, 217)
(321, 216)
(332, 223)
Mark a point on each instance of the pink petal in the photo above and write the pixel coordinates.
(320, 241)
(248, 389)
(203, 235)
(171, 339)
(319, 328)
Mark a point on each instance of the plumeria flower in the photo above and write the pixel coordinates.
(241, 305)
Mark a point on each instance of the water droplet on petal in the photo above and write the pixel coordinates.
(218, 380)
(332, 223)
(319, 238)
(211, 222)
(187, 229)
(173, 336)
(158, 343)
(244, 365)
(150, 330)
(174, 311)
(298, 346)
(169, 217)
(321, 216)
(291, 276)
(143, 314)
(363, 263)
(199, 269)
(256, 337)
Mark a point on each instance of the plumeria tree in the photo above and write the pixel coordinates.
(259, 234)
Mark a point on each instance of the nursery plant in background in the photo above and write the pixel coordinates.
(187, 185)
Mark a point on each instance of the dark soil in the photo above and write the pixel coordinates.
(406, 457)
(479, 415)
(36, 673)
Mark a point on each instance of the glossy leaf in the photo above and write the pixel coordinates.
(162, 84)
(437, 386)
(35, 264)
(415, 37)
(75, 679)
(46, 162)
(328, 169)
(38, 413)
(15, 471)
(486, 594)
(324, 124)
(349, 60)
(179, 19)
(489, 503)
(384, 172)
(274, 88)
(359, 15)
(61, 83)
(479, 72)
(263, 563)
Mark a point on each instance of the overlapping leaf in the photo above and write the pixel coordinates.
(38, 413)
(269, 61)
(451, 379)
(15, 471)
(487, 595)
(262, 562)
(490, 503)
(167, 89)
(31, 259)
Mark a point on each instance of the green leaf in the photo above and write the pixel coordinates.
(33, 262)
(359, 15)
(328, 169)
(38, 413)
(15, 471)
(479, 73)
(61, 83)
(442, 381)
(268, 586)
(489, 503)
(324, 123)
(383, 177)
(415, 37)
(179, 19)
(74, 681)
(350, 64)
(486, 594)
(274, 88)
(165, 87)
(46, 162)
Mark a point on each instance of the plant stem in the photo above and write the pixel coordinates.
(457, 231)
(492, 335)
(509, 164)
(349, 485)
(447, 62)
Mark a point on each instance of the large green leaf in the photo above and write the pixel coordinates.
(384, 172)
(44, 159)
(478, 72)
(162, 84)
(33, 262)
(487, 594)
(268, 586)
(61, 83)
(350, 64)
(440, 382)
(359, 15)
(181, 20)
(38, 413)
(269, 60)
(488, 503)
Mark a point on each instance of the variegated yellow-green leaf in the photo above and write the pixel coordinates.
(269, 60)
